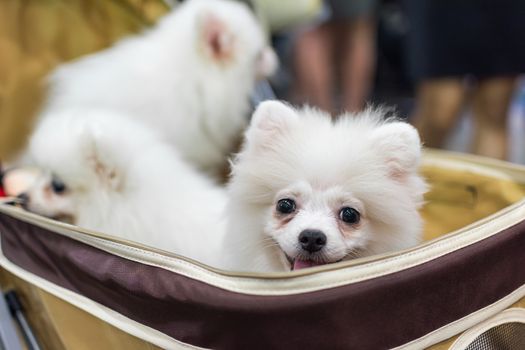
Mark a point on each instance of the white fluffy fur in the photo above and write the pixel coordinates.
(360, 161)
(123, 181)
(189, 77)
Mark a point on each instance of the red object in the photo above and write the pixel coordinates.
(2, 192)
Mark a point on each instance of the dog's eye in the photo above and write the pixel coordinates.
(58, 186)
(285, 206)
(349, 215)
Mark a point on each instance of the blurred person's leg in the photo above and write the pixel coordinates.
(313, 59)
(357, 62)
(439, 104)
(490, 109)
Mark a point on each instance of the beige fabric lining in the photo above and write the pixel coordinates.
(457, 199)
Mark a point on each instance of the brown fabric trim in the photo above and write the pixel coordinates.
(379, 313)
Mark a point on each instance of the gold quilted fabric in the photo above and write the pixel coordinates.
(36, 35)
(459, 198)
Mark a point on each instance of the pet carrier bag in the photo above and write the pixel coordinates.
(463, 288)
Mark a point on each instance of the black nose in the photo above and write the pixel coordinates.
(23, 199)
(312, 240)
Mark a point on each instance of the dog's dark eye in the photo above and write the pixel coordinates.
(349, 215)
(58, 186)
(285, 206)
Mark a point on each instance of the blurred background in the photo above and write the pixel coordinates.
(452, 68)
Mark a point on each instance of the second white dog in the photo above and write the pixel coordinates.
(189, 78)
(108, 173)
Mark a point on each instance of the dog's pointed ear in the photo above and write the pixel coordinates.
(273, 118)
(217, 38)
(97, 150)
(400, 146)
(270, 121)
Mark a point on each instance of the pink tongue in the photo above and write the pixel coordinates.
(303, 264)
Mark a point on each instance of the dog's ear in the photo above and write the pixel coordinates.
(217, 38)
(98, 152)
(271, 120)
(267, 63)
(399, 145)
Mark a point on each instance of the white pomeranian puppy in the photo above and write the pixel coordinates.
(109, 173)
(307, 190)
(190, 78)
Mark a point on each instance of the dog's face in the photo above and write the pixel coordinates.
(49, 196)
(315, 225)
(330, 190)
(39, 192)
